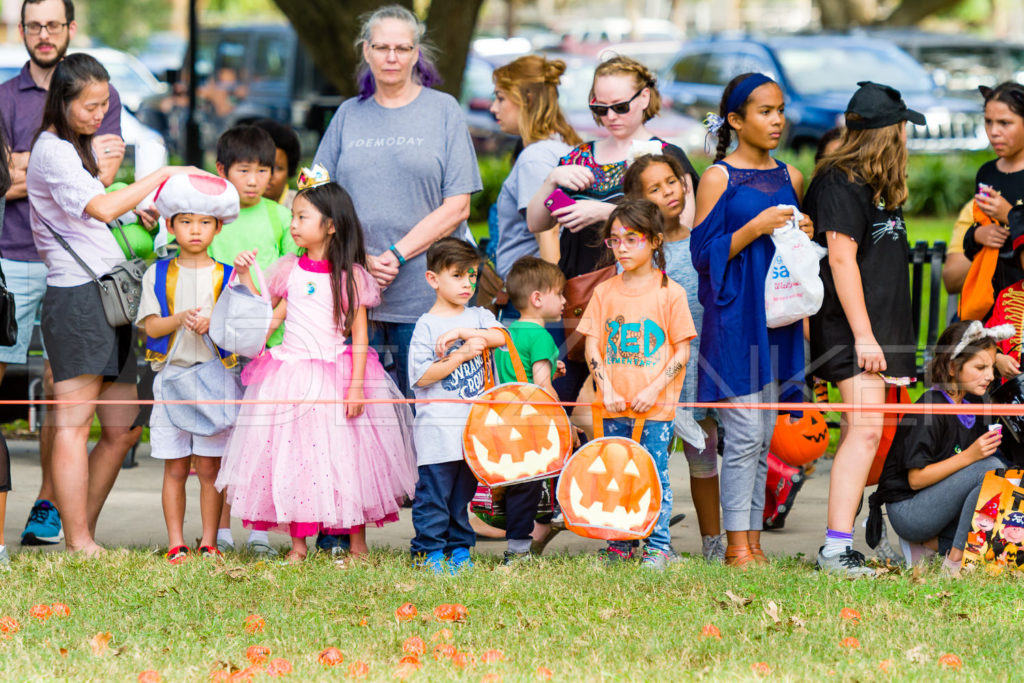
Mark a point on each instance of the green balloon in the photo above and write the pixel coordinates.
(138, 237)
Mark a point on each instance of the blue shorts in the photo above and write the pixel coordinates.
(27, 282)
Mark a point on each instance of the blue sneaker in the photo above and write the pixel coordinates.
(43, 526)
(433, 561)
(460, 560)
(329, 543)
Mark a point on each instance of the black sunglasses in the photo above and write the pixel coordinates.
(620, 108)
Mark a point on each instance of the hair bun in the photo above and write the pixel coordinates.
(553, 70)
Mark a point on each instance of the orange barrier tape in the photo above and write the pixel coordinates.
(989, 409)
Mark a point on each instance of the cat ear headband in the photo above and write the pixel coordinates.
(977, 332)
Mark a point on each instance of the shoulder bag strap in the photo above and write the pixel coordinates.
(116, 223)
(67, 247)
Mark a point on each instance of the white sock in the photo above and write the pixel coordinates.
(2, 547)
(259, 536)
(224, 535)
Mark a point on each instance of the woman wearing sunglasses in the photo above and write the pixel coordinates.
(624, 96)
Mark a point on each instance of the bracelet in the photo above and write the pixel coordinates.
(394, 250)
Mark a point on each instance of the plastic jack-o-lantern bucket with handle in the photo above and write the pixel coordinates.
(799, 441)
(609, 488)
(516, 432)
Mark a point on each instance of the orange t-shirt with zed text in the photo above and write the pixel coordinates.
(638, 329)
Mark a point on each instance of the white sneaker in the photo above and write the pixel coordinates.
(850, 563)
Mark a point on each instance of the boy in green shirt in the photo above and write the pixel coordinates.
(535, 288)
(245, 157)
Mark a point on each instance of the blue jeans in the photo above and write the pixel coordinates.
(396, 338)
(655, 437)
(440, 511)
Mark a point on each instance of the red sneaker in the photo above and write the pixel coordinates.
(178, 554)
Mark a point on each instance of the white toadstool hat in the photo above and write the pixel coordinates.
(205, 195)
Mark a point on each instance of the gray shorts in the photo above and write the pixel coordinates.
(27, 282)
(80, 342)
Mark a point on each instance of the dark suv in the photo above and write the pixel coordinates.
(818, 74)
(247, 73)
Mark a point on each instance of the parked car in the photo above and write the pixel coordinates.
(818, 74)
(960, 63)
(247, 73)
(164, 53)
(590, 36)
(573, 96)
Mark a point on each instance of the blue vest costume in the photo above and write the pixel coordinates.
(166, 273)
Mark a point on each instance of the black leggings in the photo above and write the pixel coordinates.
(5, 466)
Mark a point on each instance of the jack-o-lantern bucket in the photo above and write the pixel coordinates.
(610, 490)
(799, 441)
(526, 435)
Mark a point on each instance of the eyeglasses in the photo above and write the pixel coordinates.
(630, 241)
(620, 108)
(53, 28)
(399, 50)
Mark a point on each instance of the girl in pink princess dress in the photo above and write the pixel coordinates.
(301, 468)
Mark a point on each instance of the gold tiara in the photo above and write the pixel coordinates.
(313, 177)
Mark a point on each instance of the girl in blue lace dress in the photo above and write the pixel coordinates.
(741, 200)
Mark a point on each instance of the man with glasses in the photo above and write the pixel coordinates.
(47, 26)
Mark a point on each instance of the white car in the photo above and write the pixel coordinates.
(134, 82)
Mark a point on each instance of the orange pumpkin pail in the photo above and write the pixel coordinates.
(799, 441)
(526, 435)
(609, 488)
(893, 394)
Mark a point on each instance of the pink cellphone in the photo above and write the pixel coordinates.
(558, 200)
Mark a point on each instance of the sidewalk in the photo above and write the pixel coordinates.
(133, 517)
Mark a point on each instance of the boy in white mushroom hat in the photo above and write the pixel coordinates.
(178, 295)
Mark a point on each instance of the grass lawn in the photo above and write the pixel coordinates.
(581, 620)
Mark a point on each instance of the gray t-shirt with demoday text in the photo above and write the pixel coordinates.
(437, 429)
(399, 165)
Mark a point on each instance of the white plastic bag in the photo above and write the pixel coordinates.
(793, 289)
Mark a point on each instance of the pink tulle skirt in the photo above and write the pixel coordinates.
(299, 468)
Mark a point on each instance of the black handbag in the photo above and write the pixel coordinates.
(8, 316)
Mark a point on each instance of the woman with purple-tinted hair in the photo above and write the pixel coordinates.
(404, 153)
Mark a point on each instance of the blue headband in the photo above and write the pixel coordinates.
(743, 89)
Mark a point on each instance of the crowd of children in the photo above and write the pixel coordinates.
(683, 319)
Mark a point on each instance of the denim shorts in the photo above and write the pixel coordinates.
(27, 282)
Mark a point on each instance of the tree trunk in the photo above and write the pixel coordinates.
(837, 15)
(909, 12)
(328, 29)
(450, 26)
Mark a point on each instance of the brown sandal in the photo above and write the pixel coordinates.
(759, 556)
(739, 556)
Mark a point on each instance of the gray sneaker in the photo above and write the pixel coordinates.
(224, 546)
(713, 548)
(848, 563)
(5, 560)
(260, 549)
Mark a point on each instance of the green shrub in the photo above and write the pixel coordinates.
(493, 171)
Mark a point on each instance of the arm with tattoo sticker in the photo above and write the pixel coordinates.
(613, 403)
(648, 397)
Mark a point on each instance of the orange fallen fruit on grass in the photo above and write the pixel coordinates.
(150, 676)
(9, 625)
(330, 656)
(492, 677)
(950, 661)
(463, 659)
(710, 631)
(451, 612)
(257, 654)
(254, 623)
(443, 651)
(59, 609)
(849, 642)
(443, 634)
(849, 614)
(543, 673)
(491, 656)
(761, 668)
(414, 646)
(885, 665)
(358, 670)
(279, 667)
(40, 612)
(406, 612)
(411, 660)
